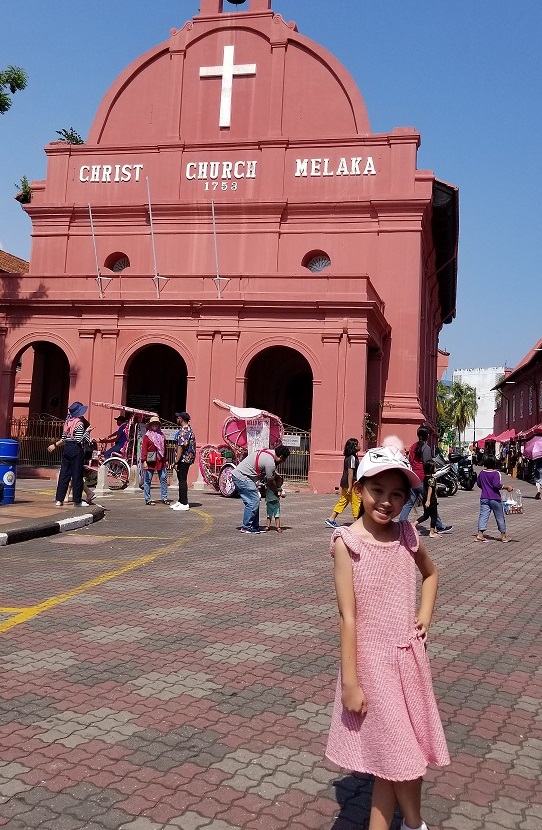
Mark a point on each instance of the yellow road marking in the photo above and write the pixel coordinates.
(7, 610)
(107, 537)
(28, 613)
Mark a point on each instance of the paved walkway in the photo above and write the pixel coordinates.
(33, 513)
(161, 670)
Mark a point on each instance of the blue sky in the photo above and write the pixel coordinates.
(466, 74)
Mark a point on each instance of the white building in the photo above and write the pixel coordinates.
(483, 380)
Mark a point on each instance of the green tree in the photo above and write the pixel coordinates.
(13, 78)
(71, 136)
(444, 411)
(463, 405)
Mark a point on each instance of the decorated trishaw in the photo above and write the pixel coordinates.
(245, 430)
(118, 465)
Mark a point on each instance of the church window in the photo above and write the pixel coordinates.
(316, 261)
(117, 262)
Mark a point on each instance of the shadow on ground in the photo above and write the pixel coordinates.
(353, 794)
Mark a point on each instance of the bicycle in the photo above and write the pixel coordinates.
(117, 472)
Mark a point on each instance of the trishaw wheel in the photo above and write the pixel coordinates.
(117, 473)
(207, 469)
(226, 484)
(90, 477)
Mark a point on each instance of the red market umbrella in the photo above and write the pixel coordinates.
(533, 447)
(506, 435)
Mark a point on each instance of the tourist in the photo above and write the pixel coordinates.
(490, 483)
(186, 455)
(119, 437)
(71, 467)
(385, 720)
(537, 475)
(88, 448)
(429, 498)
(346, 484)
(153, 459)
(272, 503)
(418, 454)
(258, 466)
(512, 461)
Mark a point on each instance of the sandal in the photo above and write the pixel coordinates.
(150, 502)
(279, 530)
(166, 501)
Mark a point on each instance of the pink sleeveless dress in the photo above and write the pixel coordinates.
(401, 732)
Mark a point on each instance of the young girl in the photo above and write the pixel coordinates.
(490, 483)
(348, 494)
(385, 719)
(429, 498)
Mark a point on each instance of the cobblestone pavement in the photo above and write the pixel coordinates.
(161, 670)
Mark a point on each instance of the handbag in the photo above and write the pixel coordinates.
(151, 457)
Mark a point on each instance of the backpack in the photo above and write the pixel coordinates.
(191, 448)
(69, 426)
(261, 474)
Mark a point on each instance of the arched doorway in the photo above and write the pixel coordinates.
(157, 379)
(279, 379)
(42, 382)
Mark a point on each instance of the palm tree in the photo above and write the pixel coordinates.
(463, 405)
(444, 412)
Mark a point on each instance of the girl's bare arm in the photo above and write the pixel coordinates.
(353, 697)
(428, 595)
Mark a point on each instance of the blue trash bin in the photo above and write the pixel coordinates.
(9, 455)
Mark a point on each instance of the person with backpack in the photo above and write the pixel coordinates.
(418, 454)
(186, 455)
(73, 453)
(257, 468)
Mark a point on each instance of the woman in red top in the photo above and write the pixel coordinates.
(153, 459)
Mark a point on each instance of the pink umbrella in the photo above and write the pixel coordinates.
(533, 447)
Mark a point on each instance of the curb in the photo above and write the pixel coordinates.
(23, 534)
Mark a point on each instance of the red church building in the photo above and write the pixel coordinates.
(232, 229)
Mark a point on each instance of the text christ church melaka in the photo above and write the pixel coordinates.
(232, 229)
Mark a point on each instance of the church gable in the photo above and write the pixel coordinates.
(242, 77)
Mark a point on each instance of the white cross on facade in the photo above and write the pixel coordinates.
(226, 72)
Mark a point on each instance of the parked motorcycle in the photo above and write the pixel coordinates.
(466, 474)
(446, 478)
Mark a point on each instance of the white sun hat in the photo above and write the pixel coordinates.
(380, 459)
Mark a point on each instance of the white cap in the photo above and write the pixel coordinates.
(380, 459)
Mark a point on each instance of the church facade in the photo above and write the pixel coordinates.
(232, 229)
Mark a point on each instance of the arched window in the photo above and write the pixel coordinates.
(316, 261)
(117, 262)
